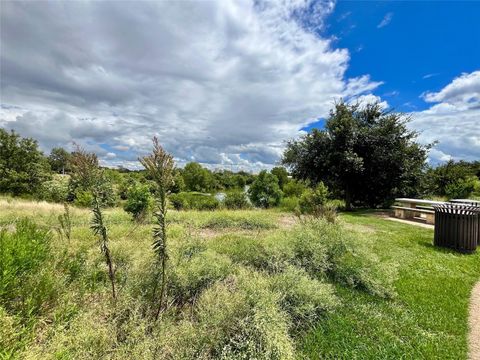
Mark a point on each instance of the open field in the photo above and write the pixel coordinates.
(242, 284)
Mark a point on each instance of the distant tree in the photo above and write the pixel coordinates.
(88, 181)
(454, 179)
(294, 188)
(197, 178)
(59, 160)
(282, 175)
(23, 168)
(365, 154)
(178, 184)
(240, 181)
(264, 191)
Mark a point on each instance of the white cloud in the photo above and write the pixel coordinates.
(463, 90)
(428, 76)
(454, 121)
(220, 82)
(363, 100)
(386, 20)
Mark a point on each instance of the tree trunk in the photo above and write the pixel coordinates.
(348, 199)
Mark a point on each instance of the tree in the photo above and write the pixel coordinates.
(264, 191)
(87, 180)
(282, 175)
(197, 178)
(59, 160)
(365, 154)
(23, 168)
(452, 179)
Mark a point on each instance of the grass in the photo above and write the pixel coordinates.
(428, 317)
(246, 283)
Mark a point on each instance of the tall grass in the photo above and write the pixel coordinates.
(239, 286)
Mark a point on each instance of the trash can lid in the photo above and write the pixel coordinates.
(455, 208)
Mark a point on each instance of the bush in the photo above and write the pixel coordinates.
(236, 200)
(83, 198)
(55, 190)
(312, 200)
(294, 188)
(138, 201)
(264, 191)
(25, 284)
(197, 271)
(461, 188)
(240, 318)
(303, 298)
(337, 204)
(290, 204)
(325, 249)
(193, 201)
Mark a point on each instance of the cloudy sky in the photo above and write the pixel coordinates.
(226, 82)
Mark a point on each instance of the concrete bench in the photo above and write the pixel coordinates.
(404, 212)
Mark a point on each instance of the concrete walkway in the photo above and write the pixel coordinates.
(474, 324)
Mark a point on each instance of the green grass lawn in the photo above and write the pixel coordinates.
(427, 319)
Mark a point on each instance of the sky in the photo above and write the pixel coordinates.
(226, 82)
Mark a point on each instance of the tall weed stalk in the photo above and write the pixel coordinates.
(65, 222)
(160, 165)
(99, 229)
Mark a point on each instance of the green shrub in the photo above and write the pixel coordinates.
(193, 201)
(290, 204)
(240, 318)
(179, 201)
(272, 253)
(25, 281)
(303, 298)
(336, 204)
(294, 188)
(265, 191)
(461, 188)
(84, 199)
(312, 200)
(55, 190)
(328, 250)
(360, 269)
(195, 272)
(236, 200)
(138, 201)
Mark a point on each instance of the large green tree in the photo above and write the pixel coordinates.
(59, 160)
(365, 154)
(282, 175)
(23, 167)
(264, 191)
(197, 178)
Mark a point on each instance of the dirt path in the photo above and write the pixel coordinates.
(474, 324)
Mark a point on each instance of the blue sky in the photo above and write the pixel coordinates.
(421, 46)
(227, 82)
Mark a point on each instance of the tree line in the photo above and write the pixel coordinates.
(365, 156)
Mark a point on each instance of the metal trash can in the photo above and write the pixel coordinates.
(457, 226)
